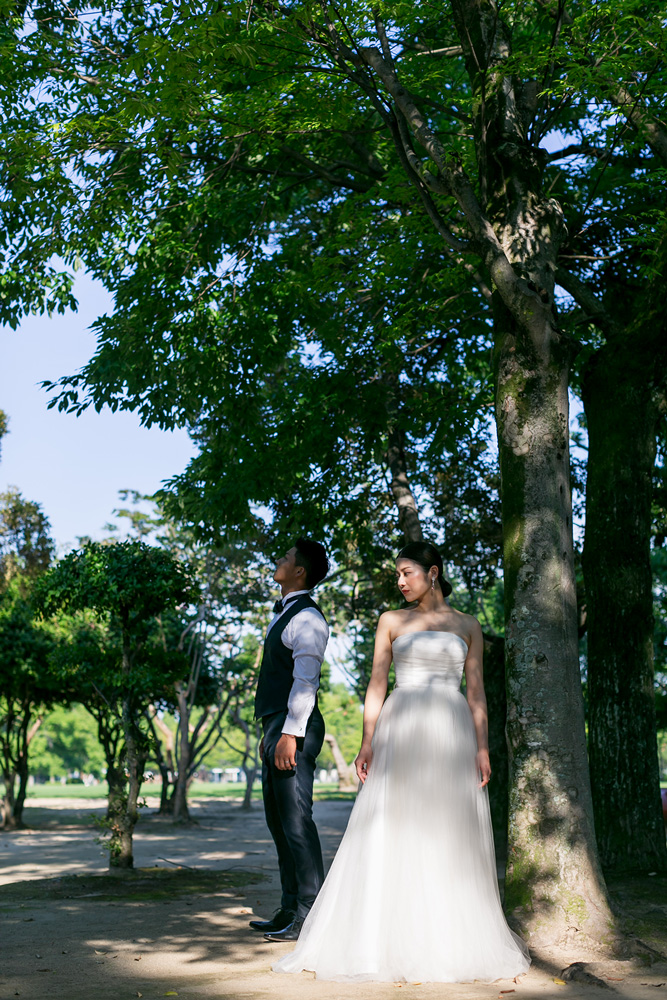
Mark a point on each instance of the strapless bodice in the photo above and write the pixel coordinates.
(425, 658)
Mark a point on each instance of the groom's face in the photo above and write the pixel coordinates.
(287, 573)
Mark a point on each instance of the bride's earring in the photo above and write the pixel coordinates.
(432, 583)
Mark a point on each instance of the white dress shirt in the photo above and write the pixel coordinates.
(306, 635)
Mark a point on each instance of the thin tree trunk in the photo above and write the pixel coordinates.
(9, 769)
(347, 775)
(15, 765)
(123, 854)
(250, 774)
(9, 799)
(23, 770)
(165, 760)
(622, 410)
(180, 797)
(116, 786)
(408, 515)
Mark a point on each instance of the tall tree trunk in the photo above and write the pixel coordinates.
(554, 880)
(554, 884)
(496, 696)
(622, 409)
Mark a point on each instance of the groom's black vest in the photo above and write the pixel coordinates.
(276, 671)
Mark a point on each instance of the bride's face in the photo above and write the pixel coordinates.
(413, 581)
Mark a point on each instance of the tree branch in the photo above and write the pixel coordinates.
(652, 129)
(585, 298)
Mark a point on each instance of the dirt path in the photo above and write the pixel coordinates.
(72, 940)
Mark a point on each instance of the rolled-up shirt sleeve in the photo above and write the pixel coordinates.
(306, 635)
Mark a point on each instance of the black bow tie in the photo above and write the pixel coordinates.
(279, 607)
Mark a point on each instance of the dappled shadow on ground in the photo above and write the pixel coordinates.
(186, 933)
(63, 841)
(184, 930)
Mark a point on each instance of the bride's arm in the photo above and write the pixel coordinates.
(375, 692)
(477, 701)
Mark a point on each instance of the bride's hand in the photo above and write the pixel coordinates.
(363, 762)
(483, 767)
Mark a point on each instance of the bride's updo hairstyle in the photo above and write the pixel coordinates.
(426, 555)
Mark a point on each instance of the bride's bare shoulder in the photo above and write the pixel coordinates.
(468, 622)
(394, 616)
(391, 621)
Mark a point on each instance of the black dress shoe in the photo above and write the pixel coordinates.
(278, 922)
(290, 933)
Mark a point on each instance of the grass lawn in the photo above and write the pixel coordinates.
(197, 790)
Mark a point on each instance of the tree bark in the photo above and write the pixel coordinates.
(122, 854)
(9, 800)
(496, 696)
(347, 775)
(180, 808)
(554, 884)
(250, 774)
(622, 409)
(15, 763)
(408, 515)
(165, 761)
(29, 733)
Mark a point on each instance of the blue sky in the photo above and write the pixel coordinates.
(74, 466)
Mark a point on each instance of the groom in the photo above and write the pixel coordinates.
(286, 702)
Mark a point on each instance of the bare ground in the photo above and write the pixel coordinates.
(178, 926)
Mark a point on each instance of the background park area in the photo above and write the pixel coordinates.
(370, 273)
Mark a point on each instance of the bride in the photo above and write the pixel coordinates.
(412, 893)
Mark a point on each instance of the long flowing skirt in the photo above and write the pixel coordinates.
(412, 894)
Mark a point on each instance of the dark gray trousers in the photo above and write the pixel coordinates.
(288, 807)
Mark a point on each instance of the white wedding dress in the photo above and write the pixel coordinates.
(412, 894)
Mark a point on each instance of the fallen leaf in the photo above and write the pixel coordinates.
(100, 952)
(560, 982)
(507, 991)
(614, 979)
(139, 994)
(138, 959)
(171, 993)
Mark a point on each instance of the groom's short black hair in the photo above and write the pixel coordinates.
(313, 557)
